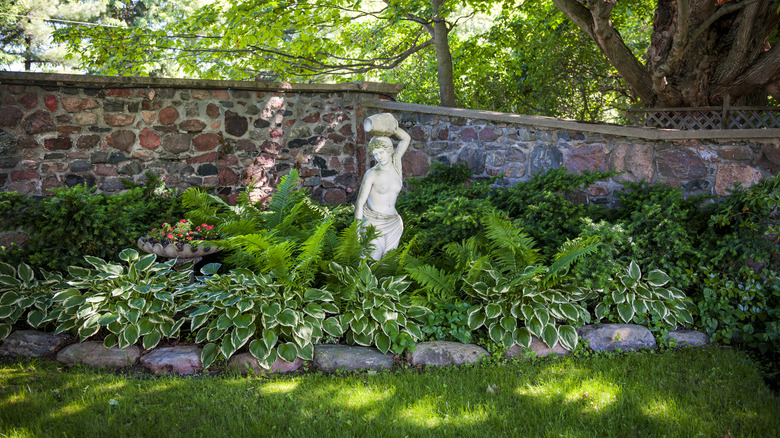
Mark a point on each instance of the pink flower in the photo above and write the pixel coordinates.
(170, 236)
(204, 225)
(183, 221)
(211, 226)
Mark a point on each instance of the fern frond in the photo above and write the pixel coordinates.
(433, 279)
(278, 259)
(349, 249)
(282, 199)
(310, 251)
(568, 254)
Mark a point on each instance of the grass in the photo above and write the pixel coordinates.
(707, 392)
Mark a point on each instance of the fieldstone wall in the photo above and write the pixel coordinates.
(63, 130)
(520, 146)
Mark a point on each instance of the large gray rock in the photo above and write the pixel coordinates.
(244, 362)
(539, 349)
(331, 358)
(30, 343)
(96, 355)
(689, 338)
(183, 360)
(444, 353)
(608, 337)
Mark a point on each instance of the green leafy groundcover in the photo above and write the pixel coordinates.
(294, 273)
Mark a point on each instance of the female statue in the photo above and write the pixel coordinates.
(382, 183)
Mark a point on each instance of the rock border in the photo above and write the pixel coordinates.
(184, 360)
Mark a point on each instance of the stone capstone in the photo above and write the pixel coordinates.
(30, 343)
(244, 362)
(689, 338)
(537, 349)
(96, 355)
(608, 337)
(331, 358)
(182, 360)
(445, 353)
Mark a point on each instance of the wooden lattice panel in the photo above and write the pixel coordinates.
(707, 118)
(753, 119)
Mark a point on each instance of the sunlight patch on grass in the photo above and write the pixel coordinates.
(595, 394)
(419, 414)
(67, 410)
(356, 398)
(280, 387)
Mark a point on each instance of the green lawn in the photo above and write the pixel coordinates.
(705, 392)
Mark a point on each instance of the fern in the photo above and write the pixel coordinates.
(349, 250)
(570, 252)
(283, 199)
(310, 251)
(434, 280)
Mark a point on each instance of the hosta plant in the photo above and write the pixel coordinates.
(516, 295)
(25, 297)
(242, 307)
(633, 298)
(133, 301)
(375, 312)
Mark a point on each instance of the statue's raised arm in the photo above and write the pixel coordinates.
(383, 182)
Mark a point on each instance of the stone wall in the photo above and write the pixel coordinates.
(521, 146)
(62, 130)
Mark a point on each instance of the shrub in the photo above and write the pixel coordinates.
(75, 222)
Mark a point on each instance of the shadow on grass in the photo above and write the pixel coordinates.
(706, 392)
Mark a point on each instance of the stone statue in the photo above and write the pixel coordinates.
(382, 183)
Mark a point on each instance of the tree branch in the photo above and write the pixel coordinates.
(764, 73)
(596, 23)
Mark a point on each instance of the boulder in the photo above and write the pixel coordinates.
(244, 362)
(445, 353)
(96, 355)
(30, 343)
(689, 338)
(539, 349)
(608, 337)
(183, 360)
(331, 358)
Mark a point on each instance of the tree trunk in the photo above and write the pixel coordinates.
(443, 58)
(700, 50)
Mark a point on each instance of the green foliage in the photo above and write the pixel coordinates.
(534, 60)
(244, 308)
(74, 222)
(744, 228)
(613, 250)
(648, 301)
(24, 297)
(135, 301)
(664, 227)
(375, 312)
(542, 206)
(444, 207)
(515, 296)
(741, 307)
(448, 322)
